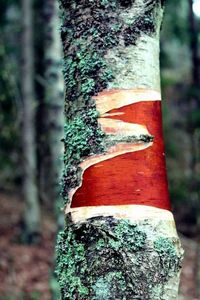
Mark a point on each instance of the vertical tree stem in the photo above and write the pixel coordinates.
(120, 240)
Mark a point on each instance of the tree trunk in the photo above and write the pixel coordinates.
(40, 25)
(50, 117)
(120, 240)
(32, 210)
(54, 94)
(193, 109)
(194, 45)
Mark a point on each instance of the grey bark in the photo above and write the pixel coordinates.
(54, 95)
(52, 111)
(193, 103)
(32, 207)
(194, 45)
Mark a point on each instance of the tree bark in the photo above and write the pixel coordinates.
(54, 94)
(193, 107)
(194, 45)
(32, 210)
(120, 240)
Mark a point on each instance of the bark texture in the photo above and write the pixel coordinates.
(54, 94)
(107, 258)
(111, 55)
(32, 210)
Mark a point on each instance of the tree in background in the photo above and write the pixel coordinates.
(54, 95)
(41, 113)
(49, 87)
(10, 100)
(180, 39)
(194, 44)
(30, 191)
(193, 118)
(120, 240)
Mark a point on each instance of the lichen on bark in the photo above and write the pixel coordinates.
(83, 138)
(106, 258)
(110, 44)
(89, 30)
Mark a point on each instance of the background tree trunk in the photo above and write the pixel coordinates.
(120, 240)
(32, 210)
(50, 117)
(193, 108)
(193, 124)
(54, 94)
(194, 45)
(194, 90)
(40, 24)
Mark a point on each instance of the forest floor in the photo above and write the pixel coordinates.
(26, 271)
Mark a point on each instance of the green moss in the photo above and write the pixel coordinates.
(83, 138)
(169, 258)
(129, 236)
(69, 255)
(104, 285)
(85, 73)
(105, 258)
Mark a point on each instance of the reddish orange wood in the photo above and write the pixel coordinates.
(132, 178)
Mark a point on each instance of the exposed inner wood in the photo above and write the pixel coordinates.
(137, 177)
(129, 212)
(114, 151)
(116, 114)
(106, 101)
(116, 98)
(116, 127)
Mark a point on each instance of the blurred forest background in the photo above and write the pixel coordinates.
(31, 130)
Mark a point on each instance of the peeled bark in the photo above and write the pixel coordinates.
(32, 209)
(120, 240)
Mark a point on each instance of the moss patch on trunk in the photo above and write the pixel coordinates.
(105, 258)
(89, 30)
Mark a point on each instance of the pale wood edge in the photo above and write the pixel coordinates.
(132, 212)
(112, 99)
